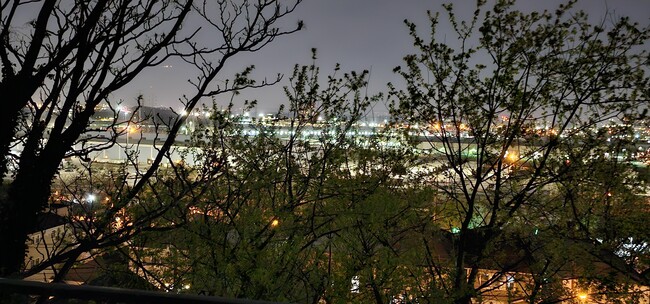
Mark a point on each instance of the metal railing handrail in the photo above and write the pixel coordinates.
(87, 292)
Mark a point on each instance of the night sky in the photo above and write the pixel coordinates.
(359, 34)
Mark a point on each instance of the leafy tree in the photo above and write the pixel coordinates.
(68, 60)
(509, 109)
(297, 218)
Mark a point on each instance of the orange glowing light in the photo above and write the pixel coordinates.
(511, 156)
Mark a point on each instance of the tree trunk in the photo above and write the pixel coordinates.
(27, 196)
(13, 100)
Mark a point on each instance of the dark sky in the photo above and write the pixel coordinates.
(359, 34)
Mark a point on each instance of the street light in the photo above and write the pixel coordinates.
(122, 110)
(128, 130)
(511, 156)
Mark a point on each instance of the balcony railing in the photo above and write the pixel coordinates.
(110, 294)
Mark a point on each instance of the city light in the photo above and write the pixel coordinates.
(118, 223)
(582, 296)
(511, 156)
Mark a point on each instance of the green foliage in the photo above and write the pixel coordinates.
(511, 187)
(289, 220)
(526, 93)
(513, 193)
